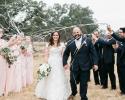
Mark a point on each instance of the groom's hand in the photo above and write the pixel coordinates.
(95, 67)
(66, 67)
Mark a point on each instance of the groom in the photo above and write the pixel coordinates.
(83, 56)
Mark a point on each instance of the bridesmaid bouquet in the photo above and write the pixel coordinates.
(8, 55)
(23, 48)
(43, 71)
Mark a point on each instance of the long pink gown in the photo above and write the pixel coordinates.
(23, 69)
(17, 82)
(10, 79)
(29, 65)
(3, 69)
(13, 74)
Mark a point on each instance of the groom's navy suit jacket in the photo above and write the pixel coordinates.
(84, 58)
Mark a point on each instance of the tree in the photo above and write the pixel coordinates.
(38, 19)
(79, 15)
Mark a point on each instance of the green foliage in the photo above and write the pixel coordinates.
(40, 18)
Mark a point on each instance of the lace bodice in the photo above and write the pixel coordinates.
(55, 51)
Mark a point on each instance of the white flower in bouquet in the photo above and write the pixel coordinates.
(8, 55)
(43, 71)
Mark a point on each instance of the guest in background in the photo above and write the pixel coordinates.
(98, 75)
(108, 60)
(120, 48)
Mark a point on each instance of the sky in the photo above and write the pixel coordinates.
(111, 12)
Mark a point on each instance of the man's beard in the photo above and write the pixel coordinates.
(77, 37)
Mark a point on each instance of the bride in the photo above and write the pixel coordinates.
(55, 86)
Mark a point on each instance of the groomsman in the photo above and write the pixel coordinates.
(108, 61)
(98, 75)
(83, 56)
(120, 48)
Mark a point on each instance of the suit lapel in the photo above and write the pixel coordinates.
(83, 41)
(74, 45)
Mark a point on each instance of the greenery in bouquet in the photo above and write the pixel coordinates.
(43, 71)
(23, 47)
(7, 54)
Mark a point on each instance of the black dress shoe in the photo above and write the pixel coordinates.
(97, 83)
(113, 88)
(122, 93)
(104, 87)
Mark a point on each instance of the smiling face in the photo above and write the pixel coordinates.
(55, 36)
(19, 39)
(96, 33)
(76, 33)
(28, 39)
(121, 34)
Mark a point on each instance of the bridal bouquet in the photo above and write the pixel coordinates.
(43, 71)
(8, 55)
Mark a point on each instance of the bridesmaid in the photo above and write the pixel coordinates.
(17, 85)
(4, 66)
(10, 70)
(29, 61)
(23, 60)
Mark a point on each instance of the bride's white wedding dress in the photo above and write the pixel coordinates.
(55, 86)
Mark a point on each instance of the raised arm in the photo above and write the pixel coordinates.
(118, 38)
(103, 42)
(114, 35)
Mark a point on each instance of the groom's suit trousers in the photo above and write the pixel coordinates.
(83, 79)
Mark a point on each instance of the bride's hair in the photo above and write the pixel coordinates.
(51, 41)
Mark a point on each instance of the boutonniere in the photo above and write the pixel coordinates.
(84, 43)
(121, 44)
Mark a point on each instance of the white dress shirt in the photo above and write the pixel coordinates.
(78, 42)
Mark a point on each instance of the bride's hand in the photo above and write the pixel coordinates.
(66, 67)
(95, 67)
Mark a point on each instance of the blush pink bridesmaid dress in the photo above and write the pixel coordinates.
(29, 65)
(23, 69)
(3, 69)
(17, 82)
